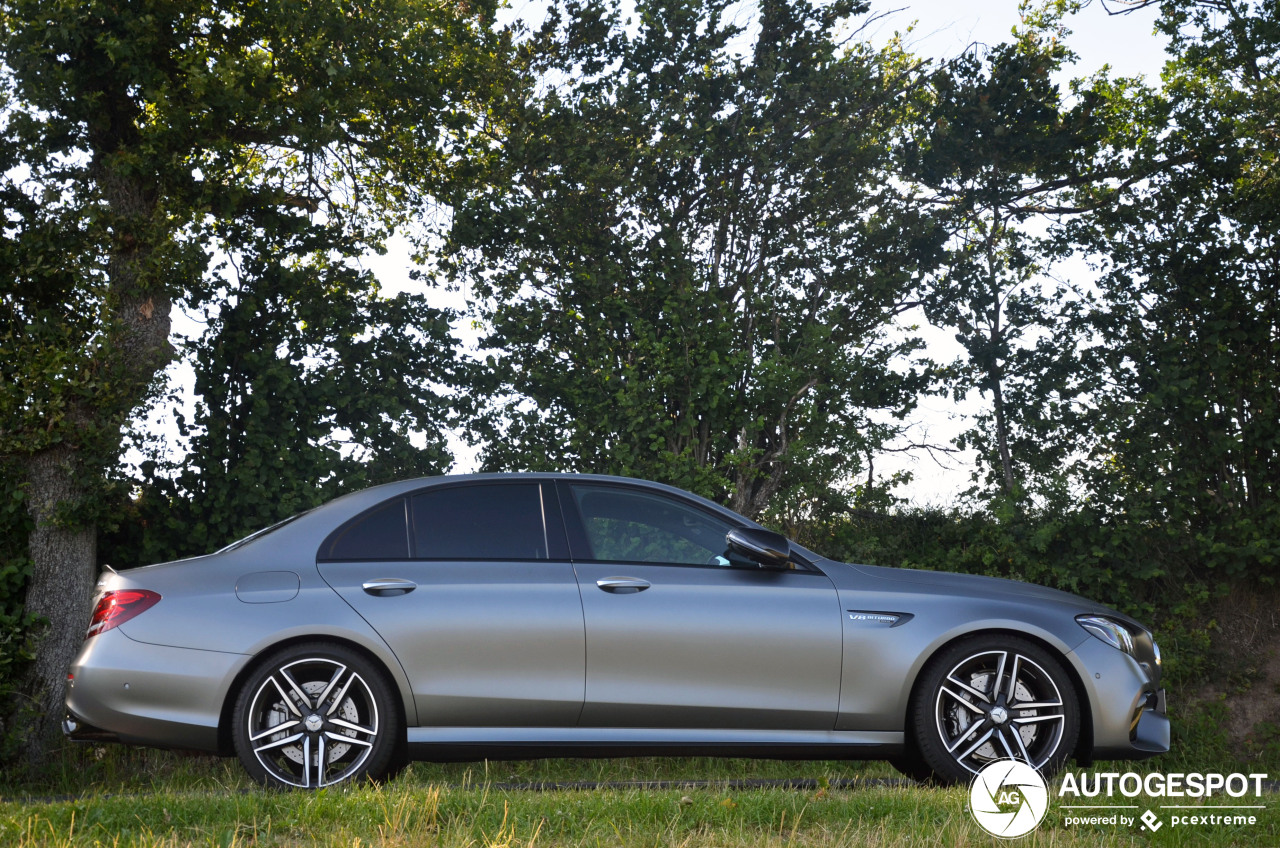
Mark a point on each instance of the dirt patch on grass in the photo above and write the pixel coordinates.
(1245, 676)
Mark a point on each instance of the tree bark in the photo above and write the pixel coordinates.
(63, 576)
(1002, 433)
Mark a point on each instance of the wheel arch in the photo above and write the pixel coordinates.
(226, 747)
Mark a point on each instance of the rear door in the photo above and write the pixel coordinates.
(681, 634)
(471, 586)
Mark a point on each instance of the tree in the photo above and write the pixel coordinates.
(133, 134)
(1189, 422)
(692, 254)
(309, 384)
(1005, 156)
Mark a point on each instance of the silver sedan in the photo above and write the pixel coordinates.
(535, 615)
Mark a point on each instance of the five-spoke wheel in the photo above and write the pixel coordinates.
(987, 698)
(315, 715)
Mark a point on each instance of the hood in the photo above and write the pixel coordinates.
(948, 582)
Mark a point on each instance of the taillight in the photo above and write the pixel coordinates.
(118, 606)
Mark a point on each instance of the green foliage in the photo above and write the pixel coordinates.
(1002, 151)
(688, 256)
(1053, 547)
(310, 384)
(140, 140)
(1139, 406)
(16, 649)
(1147, 570)
(1186, 419)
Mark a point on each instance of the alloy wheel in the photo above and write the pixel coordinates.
(316, 718)
(991, 697)
(999, 704)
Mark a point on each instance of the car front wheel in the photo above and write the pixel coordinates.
(315, 715)
(993, 697)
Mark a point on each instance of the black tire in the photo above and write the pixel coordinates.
(336, 715)
(911, 764)
(987, 698)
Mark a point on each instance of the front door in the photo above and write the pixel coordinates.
(682, 634)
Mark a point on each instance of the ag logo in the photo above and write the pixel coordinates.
(1008, 798)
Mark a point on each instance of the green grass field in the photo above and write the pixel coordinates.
(135, 798)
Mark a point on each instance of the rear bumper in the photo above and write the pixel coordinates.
(120, 690)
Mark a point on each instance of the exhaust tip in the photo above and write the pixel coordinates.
(77, 731)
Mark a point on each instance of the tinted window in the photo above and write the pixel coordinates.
(500, 521)
(380, 533)
(629, 526)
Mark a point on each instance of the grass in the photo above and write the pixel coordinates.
(151, 799)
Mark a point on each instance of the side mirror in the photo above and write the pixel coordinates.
(761, 546)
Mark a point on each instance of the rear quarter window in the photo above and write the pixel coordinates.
(379, 533)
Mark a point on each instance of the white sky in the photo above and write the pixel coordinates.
(946, 27)
(943, 29)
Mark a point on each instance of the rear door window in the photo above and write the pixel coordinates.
(492, 521)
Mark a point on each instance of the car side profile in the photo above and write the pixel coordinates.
(535, 615)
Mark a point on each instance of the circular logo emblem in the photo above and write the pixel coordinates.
(1008, 798)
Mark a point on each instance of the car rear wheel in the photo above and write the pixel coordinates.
(315, 715)
(993, 697)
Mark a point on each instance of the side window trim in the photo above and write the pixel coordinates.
(579, 547)
(553, 522)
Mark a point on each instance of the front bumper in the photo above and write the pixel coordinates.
(1129, 712)
(1150, 730)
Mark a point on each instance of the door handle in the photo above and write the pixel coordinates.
(386, 586)
(623, 585)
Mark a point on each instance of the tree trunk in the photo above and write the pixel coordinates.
(756, 483)
(1002, 434)
(63, 575)
(995, 376)
(63, 546)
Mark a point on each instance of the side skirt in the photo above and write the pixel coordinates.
(467, 744)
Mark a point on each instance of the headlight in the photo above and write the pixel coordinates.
(1113, 632)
